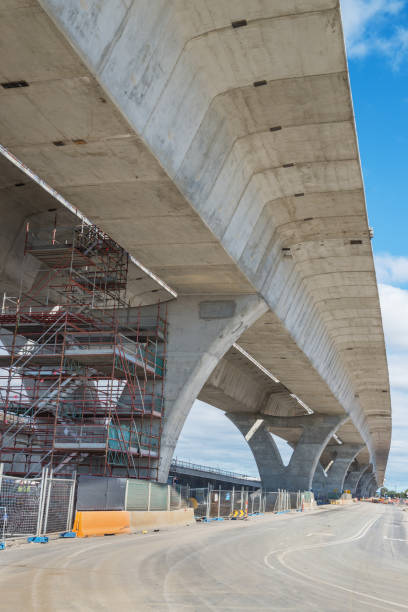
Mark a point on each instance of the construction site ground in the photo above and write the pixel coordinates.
(349, 557)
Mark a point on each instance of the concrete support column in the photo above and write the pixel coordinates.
(363, 482)
(352, 479)
(298, 475)
(317, 432)
(200, 331)
(263, 447)
(319, 485)
(372, 490)
(343, 456)
(370, 485)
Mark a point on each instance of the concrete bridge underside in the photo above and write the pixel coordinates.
(250, 398)
(225, 159)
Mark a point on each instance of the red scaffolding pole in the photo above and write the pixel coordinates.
(79, 388)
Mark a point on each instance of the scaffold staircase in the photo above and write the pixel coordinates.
(79, 390)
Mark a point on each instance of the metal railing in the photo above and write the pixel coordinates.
(179, 463)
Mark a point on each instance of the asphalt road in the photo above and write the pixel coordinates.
(347, 558)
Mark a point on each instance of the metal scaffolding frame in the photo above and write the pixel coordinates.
(81, 376)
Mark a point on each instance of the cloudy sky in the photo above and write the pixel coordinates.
(377, 44)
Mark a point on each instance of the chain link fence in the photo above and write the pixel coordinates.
(35, 506)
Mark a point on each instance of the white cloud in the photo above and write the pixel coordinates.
(394, 308)
(394, 47)
(369, 27)
(391, 269)
(398, 366)
(210, 438)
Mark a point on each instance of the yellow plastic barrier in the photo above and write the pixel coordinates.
(239, 514)
(101, 523)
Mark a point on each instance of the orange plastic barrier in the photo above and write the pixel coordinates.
(101, 523)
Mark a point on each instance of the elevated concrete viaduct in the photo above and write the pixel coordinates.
(215, 141)
(237, 385)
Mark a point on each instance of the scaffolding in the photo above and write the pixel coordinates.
(81, 373)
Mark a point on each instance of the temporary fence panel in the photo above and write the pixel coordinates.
(137, 495)
(179, 496)
(270, 498)
(307, 499)
(214, 500)
(101, 493)
(142, 495)
(21, 500)
(225, 503)
(58, 505)
(3, 522)
(255, 502)
(240, 501)
(158, 496)
(34, 506)
(199, 501)
(294, 501)
(219, 503)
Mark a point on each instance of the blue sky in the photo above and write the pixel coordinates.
(377, 45)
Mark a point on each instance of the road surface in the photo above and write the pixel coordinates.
(346, 558)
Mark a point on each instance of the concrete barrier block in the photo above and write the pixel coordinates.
(161, 519)
(99, 523)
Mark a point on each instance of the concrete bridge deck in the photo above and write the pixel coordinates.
(225, 158)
